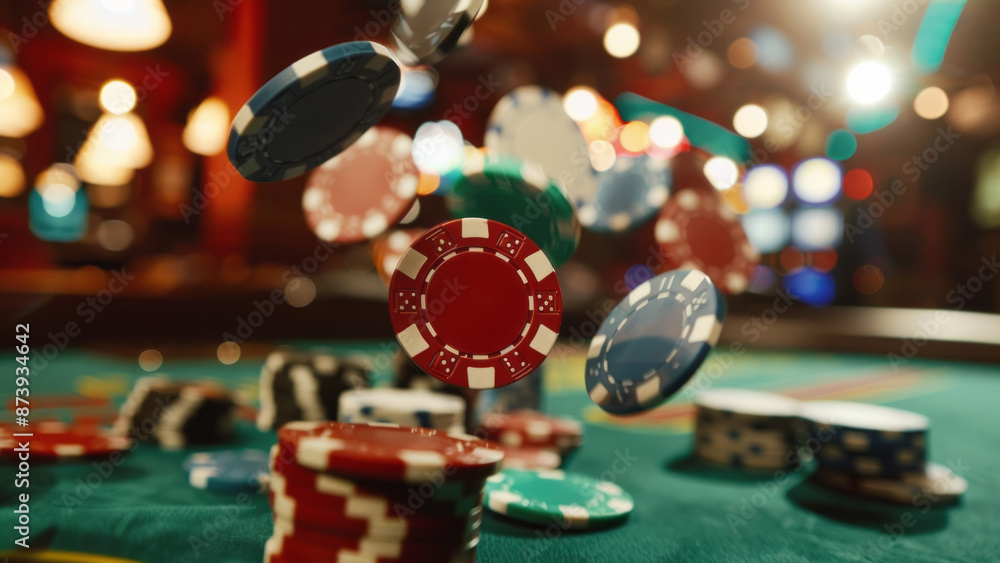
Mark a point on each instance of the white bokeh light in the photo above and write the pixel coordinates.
(765, 187)
(869, 82)
(816, 180)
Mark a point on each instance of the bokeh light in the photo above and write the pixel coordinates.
(602, 155)
(791, 259)
(58, 200)
(636, 275)
(817, 228)
(765, 186)
(867, 279)
(634, 137)
(207, 128)
(300, 292)
(774, 51)
(840, 144)
(869, 82)
(721, 172)
(931, 103)
(150, 360)
(768, 230)
(114, 235)
(813, 288)
(621, 40)
(666, 132)
(816, 180)
(118, 97)
(228, 353)
(872, 45)
(12, 179)
(438, 148)
(580, 103)
(750, 121)
(7, 84)
(858, 184)
(742, 53)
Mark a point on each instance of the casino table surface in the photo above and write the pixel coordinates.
(144, 510)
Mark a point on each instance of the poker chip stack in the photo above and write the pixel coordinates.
(405, 407)
(376, 493)
(298, 385)
(746, 429)
(177, 413)
(877, 452)
(58, 441)
(526, 433)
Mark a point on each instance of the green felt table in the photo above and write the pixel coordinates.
(144, 509)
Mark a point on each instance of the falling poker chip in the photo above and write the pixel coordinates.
(628, 194)
(457, 276)
(696, 230)
(312, 111)
(425, 31)
(517, 193)
(530, 123)
(364, 190)
(654, 341)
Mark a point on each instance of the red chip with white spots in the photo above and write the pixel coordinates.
(364, 190)
(387, 452)
(51, 440)
(475, 303)
(696, 230)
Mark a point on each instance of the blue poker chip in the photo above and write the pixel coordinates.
(228, 471)
(312, 111)
(628, 194)
(654, 341)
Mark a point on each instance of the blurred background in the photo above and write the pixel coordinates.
(873, 179)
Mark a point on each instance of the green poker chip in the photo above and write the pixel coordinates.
(519, 195)
(568, 499)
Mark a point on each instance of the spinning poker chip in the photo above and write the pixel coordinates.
(475, 303)
(312, 110)
(518, 194)
(654, 341)
(383, 452)
(58, 440)
(544, 497)
(426, 30)
(695, 230)
(228, 471)
(628, 194)
(530, 124)
(364, 190)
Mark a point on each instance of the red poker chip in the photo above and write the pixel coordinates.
(58, 440)
(530, 458)
(373, 499)
(299, 546)
(388, 453)
(475, 303)
(364, 190)
(696, 230)
(352, 517)
(527, 428)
